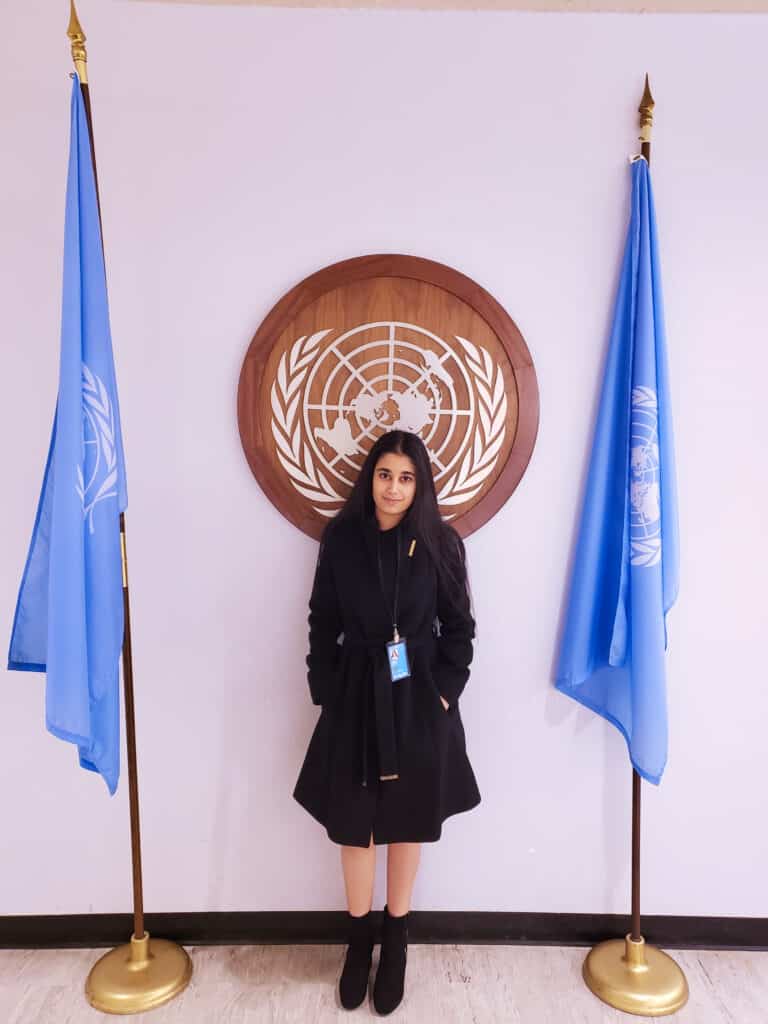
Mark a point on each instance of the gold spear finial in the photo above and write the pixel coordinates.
(646, 113)
(76, 34)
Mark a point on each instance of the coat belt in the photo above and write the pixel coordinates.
(379, 680)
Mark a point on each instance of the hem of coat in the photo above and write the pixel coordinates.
(432, 838)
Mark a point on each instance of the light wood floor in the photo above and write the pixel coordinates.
(445, 984)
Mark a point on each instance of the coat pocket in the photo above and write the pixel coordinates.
(435, 689)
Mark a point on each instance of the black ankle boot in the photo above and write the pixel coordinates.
(390, 977)
(353, 984)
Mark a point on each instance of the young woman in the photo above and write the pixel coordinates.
(387, 763)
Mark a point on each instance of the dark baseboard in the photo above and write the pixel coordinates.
(326, 927)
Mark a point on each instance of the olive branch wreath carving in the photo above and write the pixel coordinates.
(295, 455)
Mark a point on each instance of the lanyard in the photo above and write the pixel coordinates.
(395, 634)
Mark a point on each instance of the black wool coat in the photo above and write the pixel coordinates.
(385, 758)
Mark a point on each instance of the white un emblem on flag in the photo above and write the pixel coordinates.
(97, 477)
(645, 509)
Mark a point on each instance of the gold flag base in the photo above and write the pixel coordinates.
(138, 976)
(635, 978)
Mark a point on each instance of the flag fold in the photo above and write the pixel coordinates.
(626, 565)
(69, 615)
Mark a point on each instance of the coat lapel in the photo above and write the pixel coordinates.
(406, 536)
(371, 539)
(371, 536)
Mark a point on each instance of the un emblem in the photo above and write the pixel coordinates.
(99, 480)
(435, 355)
(644, 498)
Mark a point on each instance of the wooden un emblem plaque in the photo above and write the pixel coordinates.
(381, 343)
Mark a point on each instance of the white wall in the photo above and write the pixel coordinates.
(240, 149)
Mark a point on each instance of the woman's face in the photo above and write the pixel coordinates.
(394, 488)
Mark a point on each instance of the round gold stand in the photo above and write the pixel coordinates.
(138, 976)
(635, 978)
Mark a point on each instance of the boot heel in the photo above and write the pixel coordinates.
(389, 985)
(353, 983)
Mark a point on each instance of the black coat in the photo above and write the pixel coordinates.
(385, 758)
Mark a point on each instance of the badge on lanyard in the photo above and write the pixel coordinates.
(397, 652)
(397, 657)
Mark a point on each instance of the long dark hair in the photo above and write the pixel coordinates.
(422, 519)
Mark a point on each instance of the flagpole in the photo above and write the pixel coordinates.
(79, 57)
(146, 972)
(645, 110)
(627, 973)
(636, 783)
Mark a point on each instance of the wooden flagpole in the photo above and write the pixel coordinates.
(146, 972)
(627, 973)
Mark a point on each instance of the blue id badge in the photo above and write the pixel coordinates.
(397, 656)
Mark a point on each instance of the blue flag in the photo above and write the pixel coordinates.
(626, 570)
(69, 615)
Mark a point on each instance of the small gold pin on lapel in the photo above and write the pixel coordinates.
(412, 548)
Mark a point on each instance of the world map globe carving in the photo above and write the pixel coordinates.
(380, 343)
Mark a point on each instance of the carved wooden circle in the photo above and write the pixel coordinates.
(377, 343)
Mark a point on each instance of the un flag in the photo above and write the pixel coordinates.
(625, 576)
(69, 615)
